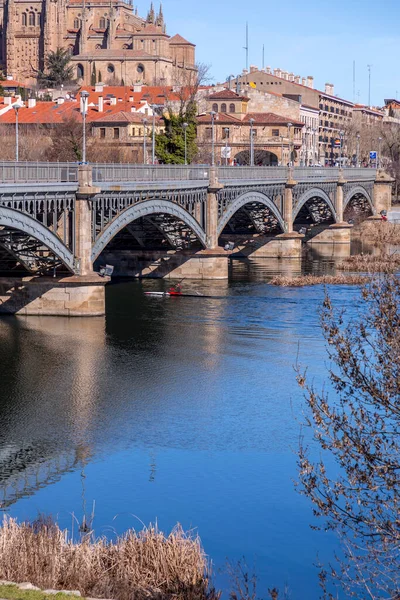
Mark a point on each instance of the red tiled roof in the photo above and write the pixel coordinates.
(151, 94)
(227, 95)
(259, 119)
(11, 83)
(219, 117)
(178, 39)
(124, 117)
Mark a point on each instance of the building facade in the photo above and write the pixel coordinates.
(107, 40)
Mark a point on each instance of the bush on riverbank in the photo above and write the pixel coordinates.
(319, 279)
(147, 564)
(365, 263)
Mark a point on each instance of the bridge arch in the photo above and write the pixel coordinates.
(244, 199)
(144, 209)
(14, 219)
(314, 193)
(354, 192)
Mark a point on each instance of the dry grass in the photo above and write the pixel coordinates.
(365, 263)
(136, 566)
(380, 233)
(319, 279)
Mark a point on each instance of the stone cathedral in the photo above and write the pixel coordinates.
(106, 39)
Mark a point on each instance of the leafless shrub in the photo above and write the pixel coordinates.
(366, 263)
(358, 426)
(138, 565)
(283, 281)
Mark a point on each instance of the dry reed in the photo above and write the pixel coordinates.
(138, 565)
(319, 279)
(365, 263)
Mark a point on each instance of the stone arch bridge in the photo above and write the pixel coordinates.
(61, 219)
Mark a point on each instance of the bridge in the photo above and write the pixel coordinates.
(64, 220)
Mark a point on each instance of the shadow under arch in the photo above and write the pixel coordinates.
(16, 220)
(314, 193)
(358, 190)
(241, 201)
(144, 209)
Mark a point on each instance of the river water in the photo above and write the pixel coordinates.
(176, 410)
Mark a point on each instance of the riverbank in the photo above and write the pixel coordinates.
(307, 280)
(142, 565)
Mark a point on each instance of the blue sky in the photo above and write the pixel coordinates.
(307, 37)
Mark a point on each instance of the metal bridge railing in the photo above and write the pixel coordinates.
(42, 172)
(148, 173)
(38, 172)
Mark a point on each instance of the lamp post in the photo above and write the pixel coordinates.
(185, 126)
(251, 143)
(226, 145)
(379, 153)
(212, 113)
(84, 98)
(341, 133)
(144, 121)
(289, 126)
(281, 150)
(358, 151)
(153, 136)
(314, 146)
(16, 107)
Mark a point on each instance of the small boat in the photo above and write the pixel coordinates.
(174, 294)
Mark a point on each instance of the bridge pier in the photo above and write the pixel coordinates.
(382, 193)
(73, 296)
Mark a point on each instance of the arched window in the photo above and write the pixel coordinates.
(76, 24)
(102, 23)
(232, 108)
(24, 19)
(31, 18)
(71, 49)
(79, 71)
(215, 107)
(110, 69)
(125, 47)
(223, 108)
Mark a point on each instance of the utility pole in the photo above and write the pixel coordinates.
(246, 47)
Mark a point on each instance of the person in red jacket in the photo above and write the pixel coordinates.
(175, 290)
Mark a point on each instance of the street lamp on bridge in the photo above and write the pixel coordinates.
(213, 115)
(185, 126)
(144, 121)
(84, 108)
(16, 107)
(289, 126)
(251, 142)
(358, 151)
(153, 136)
(341, 133)
(379, 152)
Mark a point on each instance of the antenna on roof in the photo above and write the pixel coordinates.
(246, 47)
(369, 84)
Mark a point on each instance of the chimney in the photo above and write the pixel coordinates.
(303, 81)
(31, 102)
(244, 72)
(99, 87)
(101, 104)
(291, 76)
(310, 81)
(253, 69)
(137, 88)
(268, 70)
(297, 79)
(59, 101)
(277, 72)
(285, 75)
(9, 77)
(113, 101)
(7, 99)
(330, 89)
(130, 98)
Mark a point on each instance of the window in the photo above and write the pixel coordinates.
(140, 69)
(223, 107)
(125, 47)
(326, 108)
(79, 71)
(70, 49)
(209, 133)
(110, 68)
(76, 23)
(215, 107)
(133, 131)
(225, 133)
(102, 132)
(102, 23)
(232, 108)
(31, 18)
(116, 133)
(24, 19)
(275, 133)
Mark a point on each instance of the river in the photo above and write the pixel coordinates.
(176, 410)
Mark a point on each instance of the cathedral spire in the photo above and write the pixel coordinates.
(151, 15)
(160, 18)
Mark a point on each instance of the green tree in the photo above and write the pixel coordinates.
(57, 68)
(93, 75)
(170, 145)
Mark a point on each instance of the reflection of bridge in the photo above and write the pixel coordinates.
(57, 218)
